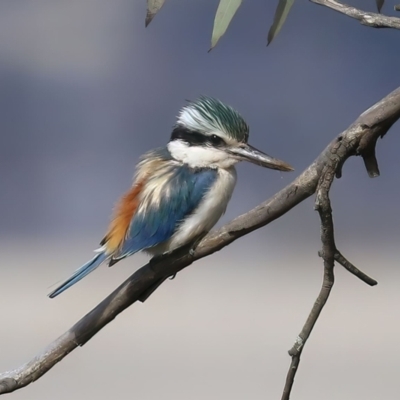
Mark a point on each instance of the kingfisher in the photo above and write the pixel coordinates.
(181, 190)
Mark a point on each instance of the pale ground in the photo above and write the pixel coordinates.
(220, 330)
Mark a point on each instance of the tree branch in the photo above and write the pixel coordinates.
(356, 140)
(329, 254)
(353, 269)
(373, 20)
(371, 124)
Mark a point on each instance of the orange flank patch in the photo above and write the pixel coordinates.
(123, 213)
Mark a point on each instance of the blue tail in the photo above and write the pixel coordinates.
(80, 273)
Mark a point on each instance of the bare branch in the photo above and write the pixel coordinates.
(323, 206)
(373, 20)
(373, 123)
(329, 253)
(353, 269)
(297, 349)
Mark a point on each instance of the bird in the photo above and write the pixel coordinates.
(179, 191)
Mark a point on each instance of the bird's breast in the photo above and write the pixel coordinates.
(208, 212)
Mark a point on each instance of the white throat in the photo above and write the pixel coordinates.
(199, 156)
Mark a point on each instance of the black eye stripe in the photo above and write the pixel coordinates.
(193, 138)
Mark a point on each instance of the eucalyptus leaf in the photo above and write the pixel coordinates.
(223, 17)
(379, 4)
(153, 6)
(281, 13)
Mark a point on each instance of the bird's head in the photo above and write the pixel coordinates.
(209, 133)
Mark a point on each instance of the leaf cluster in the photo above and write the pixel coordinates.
(226, 11)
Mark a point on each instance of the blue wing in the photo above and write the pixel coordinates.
(181, 193)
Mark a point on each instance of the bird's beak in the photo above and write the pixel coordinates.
(245, 152)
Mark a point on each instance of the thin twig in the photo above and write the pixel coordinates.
(329, 252)
(344, 262)
(297, 349)
(370, 19)
(377, 119)
(323, 206)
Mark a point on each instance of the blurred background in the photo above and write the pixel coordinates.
(84, 90)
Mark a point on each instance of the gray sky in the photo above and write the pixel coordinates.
(85, 89)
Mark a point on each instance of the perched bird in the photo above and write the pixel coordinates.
(180, 191)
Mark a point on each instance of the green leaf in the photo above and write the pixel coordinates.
(379, 4)
(281, 13)
(153, 6)
(223, 17)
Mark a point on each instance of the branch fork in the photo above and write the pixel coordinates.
(329, 252)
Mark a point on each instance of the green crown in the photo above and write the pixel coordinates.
(220, 116)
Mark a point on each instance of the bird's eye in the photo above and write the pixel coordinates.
(216, 140)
